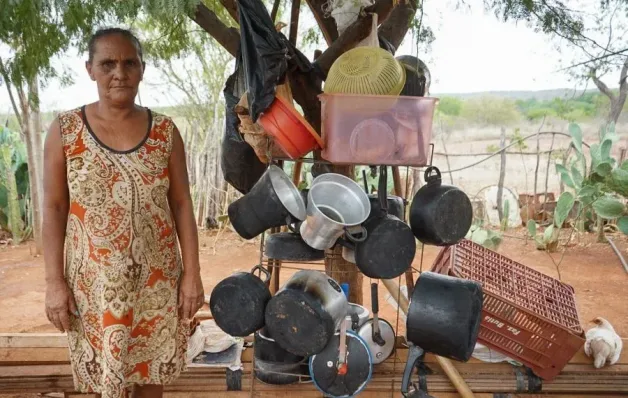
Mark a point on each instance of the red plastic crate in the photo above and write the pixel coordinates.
(526, 315)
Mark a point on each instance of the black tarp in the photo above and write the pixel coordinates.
(240, 166)
(266, 55)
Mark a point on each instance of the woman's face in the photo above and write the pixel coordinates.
(117, 69)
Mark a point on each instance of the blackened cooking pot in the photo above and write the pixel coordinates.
(440, 215)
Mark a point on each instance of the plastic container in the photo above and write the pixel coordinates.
(377, 130)
(292, 133)
(527, 315)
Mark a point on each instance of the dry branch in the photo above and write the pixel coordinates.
(228, 37)
(326, 24)
(232, 8)
(396, 21)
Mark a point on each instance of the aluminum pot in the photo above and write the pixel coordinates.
(335, 202)
(306, 312)
(274, 201)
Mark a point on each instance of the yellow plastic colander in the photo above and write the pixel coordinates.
(367, 71)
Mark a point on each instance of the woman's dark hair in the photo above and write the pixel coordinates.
(99, 34)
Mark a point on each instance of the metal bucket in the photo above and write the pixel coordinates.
(334, 203)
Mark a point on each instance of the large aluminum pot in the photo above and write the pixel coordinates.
(334, 203)
(306, 312)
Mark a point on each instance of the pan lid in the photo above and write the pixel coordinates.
(324, 372)
(379, 353)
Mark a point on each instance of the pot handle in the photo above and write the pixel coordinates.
(429, 178)
(415, 354)
(293, 225)
(354, 238)
(382, 188)
(261, 270)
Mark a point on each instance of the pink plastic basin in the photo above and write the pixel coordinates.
(378, 130)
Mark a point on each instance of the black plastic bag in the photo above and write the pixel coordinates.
(240, 165)
(266, 55)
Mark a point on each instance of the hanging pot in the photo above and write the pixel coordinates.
(440, 215)
(274, 201)
(344, 367)
(237, 303)
(443, 318)
(306, 312)
(389, 246)
(274, 365)
(335, 202)
(396, 206)
(378, 333)
(289, 246)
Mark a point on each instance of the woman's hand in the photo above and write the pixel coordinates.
(60, 304)
(191, 294)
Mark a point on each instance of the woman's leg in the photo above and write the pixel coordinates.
(148, 391)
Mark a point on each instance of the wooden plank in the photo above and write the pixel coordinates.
(24, 340)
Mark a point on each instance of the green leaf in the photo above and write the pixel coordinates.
(532, 228)
(563, 207)
(577, 177)
(604, 169)
(596, 155)
(624, 165)
(479, 236)
(605, 150)
(619, 181)
(565, 176)
(622, 224)
(608, 207)
(547, 234)
(586, 195)
(576, 136)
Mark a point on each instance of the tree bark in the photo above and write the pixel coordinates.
(33, 151)
(616, 101)
(502, 176)
(33, 96)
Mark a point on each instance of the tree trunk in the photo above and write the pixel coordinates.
(502, 176)
(34, 151)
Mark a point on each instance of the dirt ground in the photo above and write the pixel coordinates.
(592, 269)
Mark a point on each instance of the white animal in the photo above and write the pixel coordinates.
(603, 343)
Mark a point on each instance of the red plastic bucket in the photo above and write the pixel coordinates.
(291, 131)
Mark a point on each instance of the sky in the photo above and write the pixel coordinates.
(473, 52)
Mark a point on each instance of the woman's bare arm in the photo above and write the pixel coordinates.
(191, 293)
(59, 301)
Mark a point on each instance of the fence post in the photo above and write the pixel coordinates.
(502, 175)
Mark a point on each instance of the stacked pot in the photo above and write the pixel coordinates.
(308, 316)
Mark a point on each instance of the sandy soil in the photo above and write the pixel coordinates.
(591, 268)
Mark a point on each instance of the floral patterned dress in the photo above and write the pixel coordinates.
(122, 260)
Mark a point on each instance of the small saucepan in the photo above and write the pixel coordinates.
(440, 214)
(238, 302)
(389, 247)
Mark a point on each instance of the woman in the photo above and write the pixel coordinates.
(116, 194)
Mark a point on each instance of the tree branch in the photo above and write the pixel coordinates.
(7, 82)
(396, 25)
(232, 8)
(228, 37)
(601, 86)
(623, 85)
(326, 24)
(356, 32)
